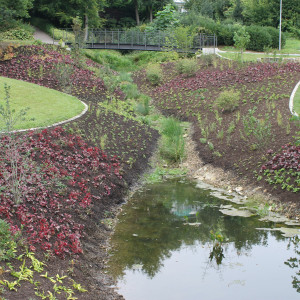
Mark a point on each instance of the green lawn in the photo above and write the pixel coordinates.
(46, 106)
(297, 102)
(292, 46)
(253, 56)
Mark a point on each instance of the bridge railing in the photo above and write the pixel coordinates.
(119, 39)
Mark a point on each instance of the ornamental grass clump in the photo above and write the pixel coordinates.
(154, 74)
(228, 101)
(172, 147)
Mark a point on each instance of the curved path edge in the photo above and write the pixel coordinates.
(291, 102)
(61, 122)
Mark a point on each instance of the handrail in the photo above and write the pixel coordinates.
(121, 39)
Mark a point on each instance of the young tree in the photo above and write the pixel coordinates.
(241, 39)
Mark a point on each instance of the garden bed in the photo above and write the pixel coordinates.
(80, 173)
(243, 138)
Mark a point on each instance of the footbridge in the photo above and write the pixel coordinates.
(134, 40)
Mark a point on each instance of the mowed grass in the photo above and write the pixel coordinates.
(297, 101)
(45, 106)
(292, 46)
(254, 56)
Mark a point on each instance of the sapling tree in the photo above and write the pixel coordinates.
(15, 163)
(241, 39)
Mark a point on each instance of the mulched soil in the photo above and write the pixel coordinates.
(221, 138)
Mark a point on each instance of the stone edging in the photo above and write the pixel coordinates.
(59, 123)
(291, 103)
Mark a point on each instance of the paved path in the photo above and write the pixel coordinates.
(42, 36)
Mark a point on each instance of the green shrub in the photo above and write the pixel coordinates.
(16, 34)
(187, 66)
(208, 60)
(228, 101)
(130, 90)
(125, 77)
(274, 33)
(7, 242)
(154, 74)
(225, 34)
(259, 38)
(172, 147)
(113, 58)
(142, 58)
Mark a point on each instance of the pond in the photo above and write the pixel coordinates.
(182, 240)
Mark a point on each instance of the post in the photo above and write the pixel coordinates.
(280, 17)
(159, 39)
(105, 39)
(118, 39)
(145, 40)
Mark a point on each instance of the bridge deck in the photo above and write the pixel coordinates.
(124, 40)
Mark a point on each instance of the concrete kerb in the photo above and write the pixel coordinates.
(291, 102)
(58, 123)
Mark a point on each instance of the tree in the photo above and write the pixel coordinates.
(65, 10)
(13, 10)
(166, 18)
(241, 39)
(153, 6)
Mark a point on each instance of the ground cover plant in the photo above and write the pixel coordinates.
(78, 172)
(257, 119)
(45, 106)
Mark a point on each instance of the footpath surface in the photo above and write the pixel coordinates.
(43, 36)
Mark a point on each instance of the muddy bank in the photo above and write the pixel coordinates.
(230, 182)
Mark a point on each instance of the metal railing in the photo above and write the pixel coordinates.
(135, 40)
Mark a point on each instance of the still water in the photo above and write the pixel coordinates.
(163, 248)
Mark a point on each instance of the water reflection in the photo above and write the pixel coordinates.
(157, 225)
(294, 262)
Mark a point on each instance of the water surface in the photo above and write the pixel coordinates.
(162, 249)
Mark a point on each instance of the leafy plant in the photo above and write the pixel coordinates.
(228, 101)
(8, 243)
(154, 74)
(187, 66)
(259, 128)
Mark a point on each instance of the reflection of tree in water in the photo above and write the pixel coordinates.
(151, 228)
(294, 262)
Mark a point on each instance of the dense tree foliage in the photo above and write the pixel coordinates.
(64, 11)
(258, 12)
(131, 12)
(13, 10)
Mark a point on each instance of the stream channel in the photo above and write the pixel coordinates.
(168, 245)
